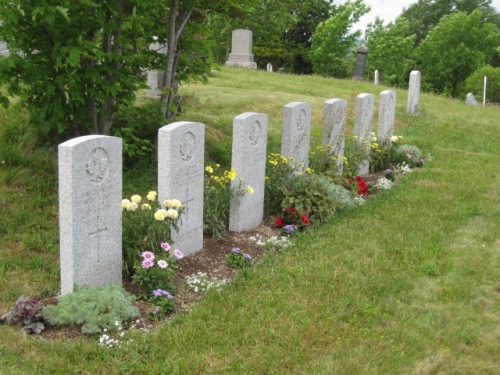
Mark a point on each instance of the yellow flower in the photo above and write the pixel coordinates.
(273, 162)
(230, 174)
(217, 165)
(168, 203)
(373, 134)
(172, 214)
(125, 203)
(249, 189)
(374, 139)
(209, 169)
(145, 206)
(176, 203)
(136, 199)
(159, 215)
(394, 138)
(151, 195)
(267, 177)
(309, 170)
(132, 206)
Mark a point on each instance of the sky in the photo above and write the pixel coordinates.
(388, 10)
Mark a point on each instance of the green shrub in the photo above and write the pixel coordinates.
(474, 83)
(408, 154)
(279, 173)
(94, 308)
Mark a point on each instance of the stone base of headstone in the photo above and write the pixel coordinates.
(242, 64)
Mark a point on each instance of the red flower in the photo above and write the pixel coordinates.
(290, 211)
(363, 188)
(305, 219)
(279, 222)
(350, 180)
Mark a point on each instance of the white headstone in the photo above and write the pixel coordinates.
(155, 77)
(181, 150)
(470, 99)
(296, 134)
(375, 81)
(363, 126)
(414, 92)
(249, 161)
(269, 68)
(90, 212)
(334, 120)
(386, 114)
(241, 50)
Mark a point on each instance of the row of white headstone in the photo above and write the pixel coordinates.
(90, 179)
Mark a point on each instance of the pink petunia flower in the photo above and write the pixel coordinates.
(147, 263)
(148, 255)
(178, 254)
(165, 246)
(162, 264)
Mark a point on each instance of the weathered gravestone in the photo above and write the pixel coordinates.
(414, 92)
(90, 212)
(296, 134)
(155, 77)
(4, 49)
(181, 150)
(269, 68)
(363, 126)
(376, 77)
(249, 161)
(359, 70)
(386, 113)
(241, 50)
(470, 99)
(334, 120)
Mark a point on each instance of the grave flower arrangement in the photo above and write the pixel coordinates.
(238, 259)
(146, 223)
(155, 274)
(292, 221)
(221, 186)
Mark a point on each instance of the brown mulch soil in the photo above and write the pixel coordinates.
(210, 260)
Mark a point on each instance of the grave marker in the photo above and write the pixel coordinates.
(241, 50)
(362, 126)
(334, 120)
(414, 92)
(386, 113)
(296, 134)
(181, 149)
(249, 161)
(90, 212)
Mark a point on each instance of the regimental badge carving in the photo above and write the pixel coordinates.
(255, 133)
(98, 165)
(187, 146)
(390, 102)
(339, 115)
(301, 121)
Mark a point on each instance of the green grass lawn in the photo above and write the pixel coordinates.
(406, 284)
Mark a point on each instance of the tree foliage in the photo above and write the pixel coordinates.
(333, 42)
(456, 47)
(390, 50)
(424, 15)
(74, 62)
(474, 83)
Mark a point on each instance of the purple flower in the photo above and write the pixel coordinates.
(148, 255)
(236, 250)
(247, 256)
(158, 292)
(167, 294)
(388, 171)
(178, 254)
(165, 246)
(147, 263)
(289, 228)
(156, 310)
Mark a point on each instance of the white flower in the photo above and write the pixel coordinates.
(151, 195)
(176, 203)
(383, 183)
(136, 198)
(125, 203)
(145, 206)
(394, 138)
(132, 206)
(172, 214)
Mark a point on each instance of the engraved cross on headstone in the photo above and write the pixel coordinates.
(100, 229)
(186, 202)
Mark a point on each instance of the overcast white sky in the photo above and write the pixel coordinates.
(388, 10)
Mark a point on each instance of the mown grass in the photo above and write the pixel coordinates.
(407, 284)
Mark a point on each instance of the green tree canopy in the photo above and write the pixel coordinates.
(333, 41)
(424, 15)
(390, 49)
(74, 62)
(456, 47)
